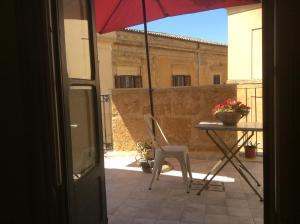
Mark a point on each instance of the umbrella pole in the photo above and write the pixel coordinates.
(148, 64)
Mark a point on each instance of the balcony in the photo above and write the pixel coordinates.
(129, 200)
(228, 200)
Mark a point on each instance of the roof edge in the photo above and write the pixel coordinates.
(175, 36)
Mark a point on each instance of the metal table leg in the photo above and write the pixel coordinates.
(226, 150)
(222, 159)
(235, 157)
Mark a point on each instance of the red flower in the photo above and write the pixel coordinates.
(231, 105)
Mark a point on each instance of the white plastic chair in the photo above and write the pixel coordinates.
(180, 152)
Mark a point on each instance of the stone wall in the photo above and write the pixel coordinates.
(177, 110)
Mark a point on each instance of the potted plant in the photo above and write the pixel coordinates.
(145, 157)
(250, 149)
(230, 111)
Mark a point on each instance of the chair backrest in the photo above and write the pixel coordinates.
(149, 119)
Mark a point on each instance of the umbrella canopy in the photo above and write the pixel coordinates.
(112, 15)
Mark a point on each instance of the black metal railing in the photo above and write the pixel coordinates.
(106, 114)
(253, 97)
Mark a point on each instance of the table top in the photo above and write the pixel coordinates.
(242, 126)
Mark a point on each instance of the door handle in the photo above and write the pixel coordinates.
(74, 125)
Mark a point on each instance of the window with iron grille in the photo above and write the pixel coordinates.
(181, 80)
(128, 81)
(216, 79)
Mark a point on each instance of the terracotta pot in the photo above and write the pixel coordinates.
(229, 118)
(146, 166)
(250, 151)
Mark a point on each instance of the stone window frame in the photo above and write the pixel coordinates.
(128, 81)
(181, 80)
(214, 81)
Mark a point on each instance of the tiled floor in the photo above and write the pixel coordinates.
(130, 202)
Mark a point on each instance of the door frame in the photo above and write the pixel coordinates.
(268, 41)
(281, 118)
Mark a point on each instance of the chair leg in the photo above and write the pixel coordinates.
(183, 165)
(156, 166)
(189, 167)
(159, 169)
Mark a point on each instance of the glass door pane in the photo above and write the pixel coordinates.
(77, 39)
(83, 129)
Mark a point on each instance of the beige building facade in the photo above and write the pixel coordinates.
(194, 62)
(245, 59)
(245, 43)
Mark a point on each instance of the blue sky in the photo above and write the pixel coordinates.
(209, 25)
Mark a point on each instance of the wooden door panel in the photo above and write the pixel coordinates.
(88, 193)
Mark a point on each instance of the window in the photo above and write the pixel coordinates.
(216, 80)
(128, 81)
(181, 80)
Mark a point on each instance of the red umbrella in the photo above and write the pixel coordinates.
(112, 15)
